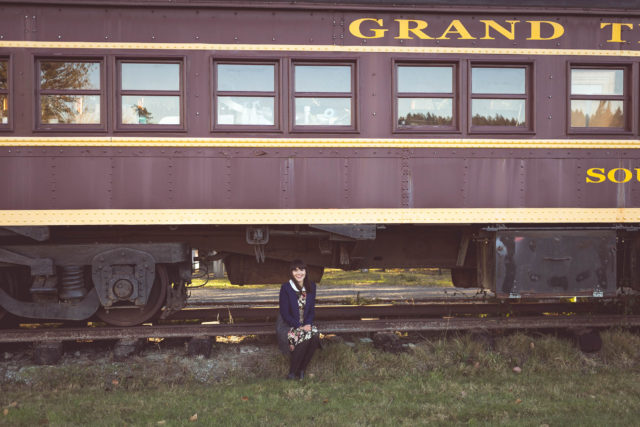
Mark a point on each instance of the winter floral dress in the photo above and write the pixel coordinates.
(298, 335)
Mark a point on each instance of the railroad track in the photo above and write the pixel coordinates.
(235, 313)
(328, 327)
(197, 321)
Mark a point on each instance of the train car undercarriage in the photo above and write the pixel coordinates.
(136, 274)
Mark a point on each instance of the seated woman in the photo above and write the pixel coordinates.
(296, 334)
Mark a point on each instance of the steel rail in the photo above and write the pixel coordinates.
(334, 327)
(255, 313)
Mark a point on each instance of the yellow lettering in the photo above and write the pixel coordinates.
(509, 34)
(638, 174)
(456, 27)
(558, 30)
(612, 175)
(354, 28)
(595, 173)
(404, 30)
(616, 30)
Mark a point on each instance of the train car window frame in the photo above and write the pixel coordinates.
(180, 93)
(453, 95)
(527, 96)
(352, 95)
(7, 102)
(101, 92)
(275, 94)
(625, 98)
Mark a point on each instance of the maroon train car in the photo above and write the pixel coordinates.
(499, 142)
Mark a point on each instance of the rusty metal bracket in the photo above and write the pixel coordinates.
(38, 266)
(39, 234)
(81, 310)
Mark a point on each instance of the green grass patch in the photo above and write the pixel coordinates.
(443, 381)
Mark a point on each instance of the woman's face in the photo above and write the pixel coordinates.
(299, 274)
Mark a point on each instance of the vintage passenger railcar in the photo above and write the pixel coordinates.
(498, 141)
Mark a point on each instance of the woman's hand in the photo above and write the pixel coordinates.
(306, 328)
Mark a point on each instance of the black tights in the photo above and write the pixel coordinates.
(302, 354)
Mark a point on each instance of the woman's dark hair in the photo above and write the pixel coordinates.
(297, 263)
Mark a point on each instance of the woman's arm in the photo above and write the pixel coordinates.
(310, 309)
(290, 319)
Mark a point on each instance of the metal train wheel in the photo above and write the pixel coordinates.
(137, 315)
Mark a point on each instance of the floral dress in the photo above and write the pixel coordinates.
(298, 335)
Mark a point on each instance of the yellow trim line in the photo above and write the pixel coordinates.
(315, 216)
(313, 48)
(28, 142)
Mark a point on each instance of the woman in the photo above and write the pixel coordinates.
(296, 334)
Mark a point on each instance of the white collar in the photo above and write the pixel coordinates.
(293, 285)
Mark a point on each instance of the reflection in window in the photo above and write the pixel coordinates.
(597, 98)
(323, 111)
(499, 97)
(246, 94)
(323, 95)
(245, 110)
(69, 75)
(246, 78)
(597, 113)
(425, 96)
(4, 92)
(498, 112)
(150, 76)
(323, 78)
(150, 93)
(70, 92)
(70, 109)
(498, 80)
(151, 110)
(597, 82)
(425, 112)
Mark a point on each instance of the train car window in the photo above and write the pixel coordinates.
(425, 97)
(4, 93)
(70, 93)
(499, 98)
(323, 96)
(150, 95)
(597, 98)
(246, 95)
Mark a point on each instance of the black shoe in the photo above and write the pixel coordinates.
(291, 376)
(301, 375)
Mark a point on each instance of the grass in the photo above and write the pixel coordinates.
(336, 277)
(443, 381)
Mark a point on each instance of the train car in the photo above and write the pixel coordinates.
(498, 141)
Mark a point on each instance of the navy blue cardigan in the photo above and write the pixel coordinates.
(289, 305)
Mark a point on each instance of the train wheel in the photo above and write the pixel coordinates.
(464, 277)
(137, 315)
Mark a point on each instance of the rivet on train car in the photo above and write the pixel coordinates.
(550, 76)
(197, 113)
(549, 117)
(59, 37)
(549, 96)
(197, 37)
(153, 37)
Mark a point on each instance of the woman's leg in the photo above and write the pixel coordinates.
(298, 356)
(312, 345)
